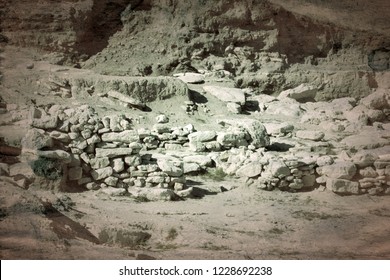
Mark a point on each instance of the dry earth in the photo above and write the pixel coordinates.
(227, 216)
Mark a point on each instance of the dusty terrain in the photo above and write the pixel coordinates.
(224, 212)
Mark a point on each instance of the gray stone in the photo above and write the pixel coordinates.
(4, 169)
(126, 136)
(118, 165)
(102, 173)
(97, 163)
(190, 78)
(36, 139)
(324, 160)
(250, 170)
(189, 167)
(339, 170)
(172, 168)
(125, 98)
(310, 135)
(75, 173)
(234, 108)
(226, 94)
(94, 139)
(201, 160)
(133, 160)
(113, 152)
(303, 92)
(56, 154)
(111, 181)
(202, 136)
(344, 187)
(45, 122)
(161, 128)
(368, 172)
(63, 137)
(377, 100)
(162, 119)
(278, 169)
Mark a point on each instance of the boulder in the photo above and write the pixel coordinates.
(172, 168)
(125, 98)
(343, 187)
(250, 170)
(56, 154)
(190, 78)
(202, 136)
(99, 162)
(36, 139)
(126, 136)
(202, 160)
(101, 173)
(45, 122)
(339, 170)
(162, 119)
(310, 135)
(226, 94)
(278, 169)
(301, 93)
(234, 108)
(116, 152)
(378, 100)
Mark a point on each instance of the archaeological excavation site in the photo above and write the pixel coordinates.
(167, 129)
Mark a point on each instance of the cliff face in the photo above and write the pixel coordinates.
(259, 42)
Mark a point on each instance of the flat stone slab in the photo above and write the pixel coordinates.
(190, 78)
(226, 94)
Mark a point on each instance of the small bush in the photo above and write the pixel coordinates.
(216, 174)
(48, 168)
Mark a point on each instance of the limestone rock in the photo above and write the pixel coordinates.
(377, 100)
(118, 165)
(190, 78)
(234, 108)
(310, 135)
(99, 162)
(339, 170)
(190, 167)
(63, 137)
(125, 98)
(302, 93)
(102, 173)
(36, 139)
(343, 187)
(201, 160)
(46, 122)
(202, 136)
(126, 136)
(113, 152)
(162, 119)
(278, 169)
(226, 94)
(172, 168)
(56, 154)
(250, 170)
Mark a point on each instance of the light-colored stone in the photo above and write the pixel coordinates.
(339, 170)
(161, 128)
(226, 94)
(250, 170)
(172, 168)
(325, 160)
(162, 119)
(63, 137)
(125, 98)
(202, 160)
(343, 187)
(278, 169)
(56, 154)
(111, 181)
(97, 163)
(102, 173)
(368, 172)
(189, 167)
(377, 100)
(234, 108)
(118, 165)
(126, 136)
(45, 122)
(303, 92)
(36, 139)
(113, 152)
(133, 160)
(310, 135)
(202, 136)
(190, 78)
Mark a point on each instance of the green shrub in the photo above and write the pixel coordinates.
(48, 168)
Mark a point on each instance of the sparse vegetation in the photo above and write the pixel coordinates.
(216, 174)
(48, 168)
(172, 234)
